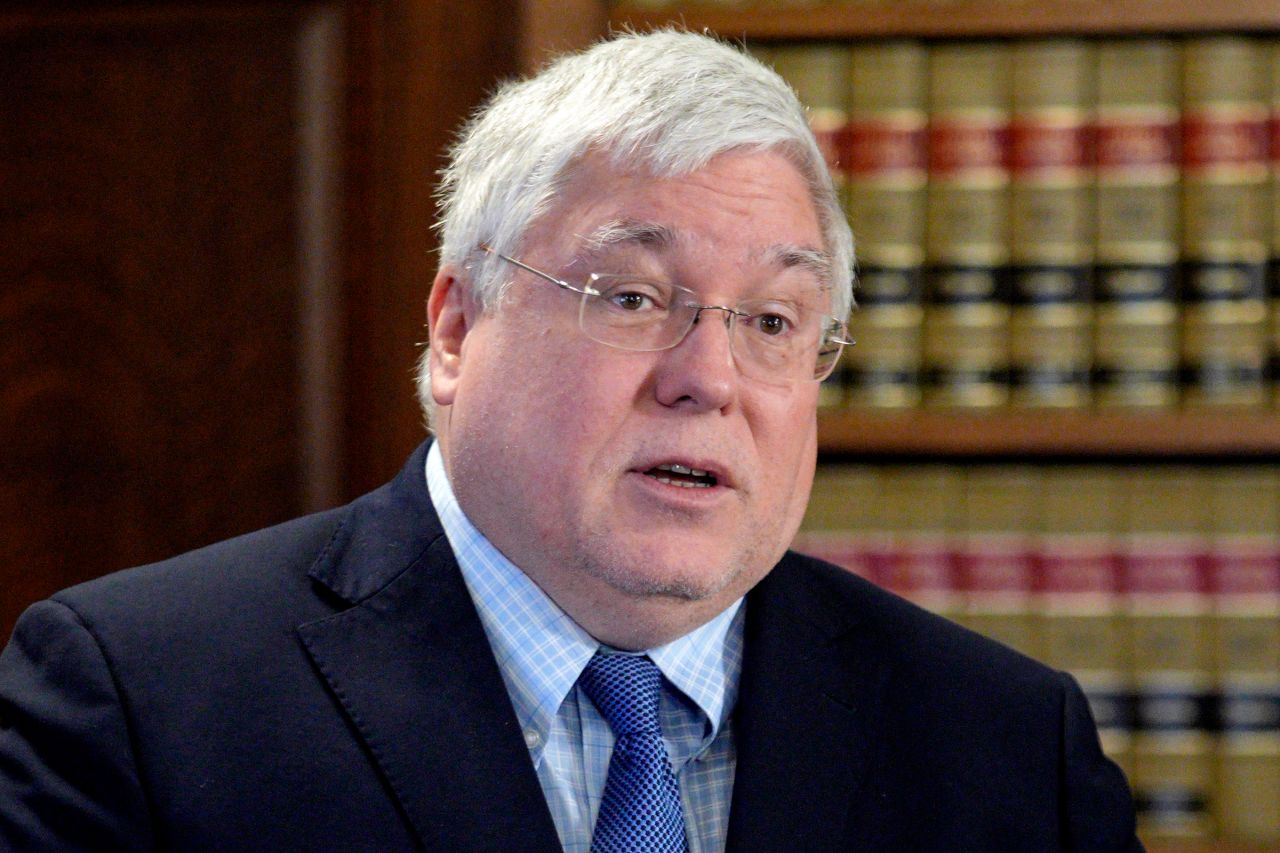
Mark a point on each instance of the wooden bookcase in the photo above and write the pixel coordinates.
(1194, 434)
(960, 18)
(1210, 435)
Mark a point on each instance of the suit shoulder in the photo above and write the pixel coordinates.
(919, 638)
(238, 574)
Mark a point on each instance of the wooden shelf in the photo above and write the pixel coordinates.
(1247, 435)
(1210, 847)
(962, 18)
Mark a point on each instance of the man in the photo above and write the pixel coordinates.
(573, 615)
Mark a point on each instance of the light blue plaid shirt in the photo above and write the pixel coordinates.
(541, 652)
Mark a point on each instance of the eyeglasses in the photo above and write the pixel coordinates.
(773, 340)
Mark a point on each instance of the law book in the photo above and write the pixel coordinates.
(1167, 607)
(1225, 221)
(843, 523)
(1136, 224)
(819, 73)
(1051, 218)
(966, 322)
(886, 175)
(921, 513)
(1244, 578)
(1273, 265)
(1083, 629)
(994, 554)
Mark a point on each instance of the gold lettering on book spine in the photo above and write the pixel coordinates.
(1136, 223)
(1224, 161)
(885, 153)
(1051, 331)
(966, 347)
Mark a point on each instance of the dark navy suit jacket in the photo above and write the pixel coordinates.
(326, 685)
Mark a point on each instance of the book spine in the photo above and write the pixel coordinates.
(1136, 239)
(966, 353)
(819, 73)
(1082, 627)
(886, 175)
(842, 522)
(1224, 341)
(1273, 266)
(1051, 332)
(921, 513)
(1168, 613)
(1244, 577)
(994, 556)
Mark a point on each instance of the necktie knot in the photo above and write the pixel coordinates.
(625, 690)
(640, 808)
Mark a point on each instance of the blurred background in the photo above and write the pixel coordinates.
(1060, 425)
(215, 252)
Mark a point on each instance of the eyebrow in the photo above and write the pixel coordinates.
(815, 261)
(629, 232)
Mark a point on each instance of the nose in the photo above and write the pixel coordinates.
(699, 372)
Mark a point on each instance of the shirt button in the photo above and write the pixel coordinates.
(532, 739)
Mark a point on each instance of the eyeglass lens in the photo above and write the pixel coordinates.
(770, 340)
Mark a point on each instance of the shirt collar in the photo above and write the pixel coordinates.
(541, 651)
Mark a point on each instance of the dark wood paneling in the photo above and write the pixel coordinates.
(157, 368)
(215, 253)
(550, 28)
(420, 69)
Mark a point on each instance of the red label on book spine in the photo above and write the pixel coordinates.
(1078, 566)
(995, 564)
(1224, 138)
(1164, 567)
(960, 146)
(921, 566)
(882, 147)
(1245, 567)
(1136, 143)
(1048, 146)
(1273, 131)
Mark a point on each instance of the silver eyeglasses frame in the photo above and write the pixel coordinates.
(835, 332)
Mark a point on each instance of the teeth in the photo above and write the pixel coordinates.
(684, 484)
(675, 468)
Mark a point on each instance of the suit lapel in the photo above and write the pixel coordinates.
(411, 668)
(806, 723)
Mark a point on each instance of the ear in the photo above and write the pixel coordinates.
(451, 312)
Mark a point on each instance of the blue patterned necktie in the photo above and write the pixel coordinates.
(640, 810)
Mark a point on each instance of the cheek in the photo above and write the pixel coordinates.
(789, 456)
(561, 408)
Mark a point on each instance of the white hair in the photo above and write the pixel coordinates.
(663, 103)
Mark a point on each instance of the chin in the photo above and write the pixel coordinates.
(654, 572)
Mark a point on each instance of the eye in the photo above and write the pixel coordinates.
(633, 296)
(631, 300)
(772, 325)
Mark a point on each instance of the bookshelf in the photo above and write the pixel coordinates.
(963, 19)
(1196, 434)
(1187, 434)
(964, 445)
(1118, 440)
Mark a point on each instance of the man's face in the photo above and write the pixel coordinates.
(555, 443)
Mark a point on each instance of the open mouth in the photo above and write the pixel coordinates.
(673, 474)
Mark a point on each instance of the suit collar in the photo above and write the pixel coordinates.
(409, 664)
(382, 534)
(807, 721)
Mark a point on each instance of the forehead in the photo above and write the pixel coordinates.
(742, 207)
